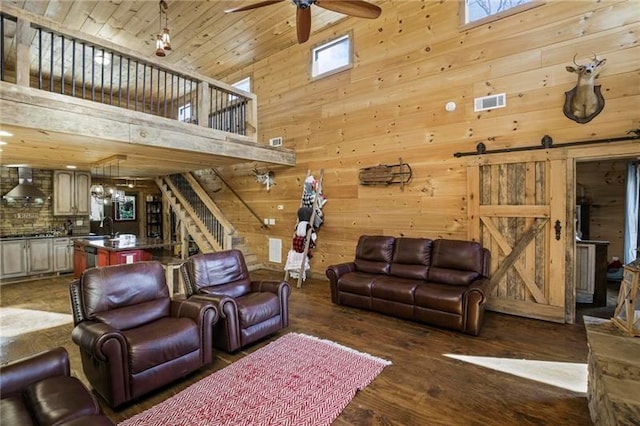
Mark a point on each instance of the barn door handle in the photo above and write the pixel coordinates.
(558, 229)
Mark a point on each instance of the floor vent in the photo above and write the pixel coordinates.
(490, 102)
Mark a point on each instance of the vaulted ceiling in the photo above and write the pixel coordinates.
(203, 37)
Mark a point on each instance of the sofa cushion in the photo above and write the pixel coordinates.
(452, 276)
(374, 254)
(110, 288)
(224, 273)
(440, 297)
(356, 283)
(459, 255)
(59, 398)
(147, 350)
(394, 288)
(13, 411)
(411, 258)
(255, 308)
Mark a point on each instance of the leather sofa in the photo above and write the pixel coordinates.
(249, 310)
(39, 390)
(133, 337)
(438, 282)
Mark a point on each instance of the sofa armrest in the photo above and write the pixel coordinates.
(334, 272)
(16, 375)
(281, 288)
(196, 309)
(205, 314)
(99, 339)
(481, 284)
(476, 298)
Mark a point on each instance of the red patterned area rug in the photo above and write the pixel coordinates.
(296, 380)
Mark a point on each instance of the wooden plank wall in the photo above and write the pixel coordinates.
(408, 64)
(604, 184)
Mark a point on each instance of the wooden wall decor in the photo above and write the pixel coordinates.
(585, 101)
(384, 174)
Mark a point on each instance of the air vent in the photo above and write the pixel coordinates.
(275, 141)
(490, 102)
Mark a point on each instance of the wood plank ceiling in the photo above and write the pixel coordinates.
(204, 39)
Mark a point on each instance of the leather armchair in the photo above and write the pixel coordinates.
(39, 390)
(249, 310)
(133, 338)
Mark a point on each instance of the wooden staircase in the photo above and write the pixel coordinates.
(199, 217)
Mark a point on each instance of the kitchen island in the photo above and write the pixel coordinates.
(104, 251)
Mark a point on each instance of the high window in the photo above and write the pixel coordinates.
(244, 84)
(331, 57)
(184, 113)
(481, 11)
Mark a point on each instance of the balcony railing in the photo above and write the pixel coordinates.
(95, 70)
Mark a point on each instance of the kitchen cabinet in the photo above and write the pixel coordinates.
(13, 258)
(62, 255)
(25, 257)
(591, 272)
(79, 259)
(71, 193)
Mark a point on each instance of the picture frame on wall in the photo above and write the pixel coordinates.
(126, 209)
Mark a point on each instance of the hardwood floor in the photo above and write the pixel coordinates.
(422, 387)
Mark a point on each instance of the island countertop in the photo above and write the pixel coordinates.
(125, 242)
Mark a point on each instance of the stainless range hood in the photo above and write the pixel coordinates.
(25, 190)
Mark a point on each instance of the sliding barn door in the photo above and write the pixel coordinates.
(518, 211)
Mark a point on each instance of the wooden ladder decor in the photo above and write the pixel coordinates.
(299, 269)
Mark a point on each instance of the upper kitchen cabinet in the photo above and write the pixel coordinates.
(71, 193)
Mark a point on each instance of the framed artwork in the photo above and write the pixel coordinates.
(126, 210)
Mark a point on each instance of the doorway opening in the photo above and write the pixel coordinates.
(601, 210)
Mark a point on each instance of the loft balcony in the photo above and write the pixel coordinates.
(70, 98)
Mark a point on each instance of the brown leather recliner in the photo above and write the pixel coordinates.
(249, 310)
(133, 338)
(39, 390)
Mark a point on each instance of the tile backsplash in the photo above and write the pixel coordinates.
(31, 219)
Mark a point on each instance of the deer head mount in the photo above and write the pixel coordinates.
(265, 177)
(584, 102)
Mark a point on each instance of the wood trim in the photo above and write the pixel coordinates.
(473, 203)
(498, 210)
(533, 310)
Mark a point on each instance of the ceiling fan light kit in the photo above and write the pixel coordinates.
(357, 8)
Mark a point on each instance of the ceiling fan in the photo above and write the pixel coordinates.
(358, 8)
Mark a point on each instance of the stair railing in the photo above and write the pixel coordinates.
(253, 213)
(207, 215)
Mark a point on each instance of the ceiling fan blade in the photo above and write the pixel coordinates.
(303, 24)
(358, 8)
(253, 6)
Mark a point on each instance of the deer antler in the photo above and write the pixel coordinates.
(574, 60)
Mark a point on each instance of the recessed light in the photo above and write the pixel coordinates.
(71, 167)
(5, 133)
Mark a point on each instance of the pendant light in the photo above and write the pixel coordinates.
(163, 39)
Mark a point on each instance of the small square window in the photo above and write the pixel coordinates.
(331, 57)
